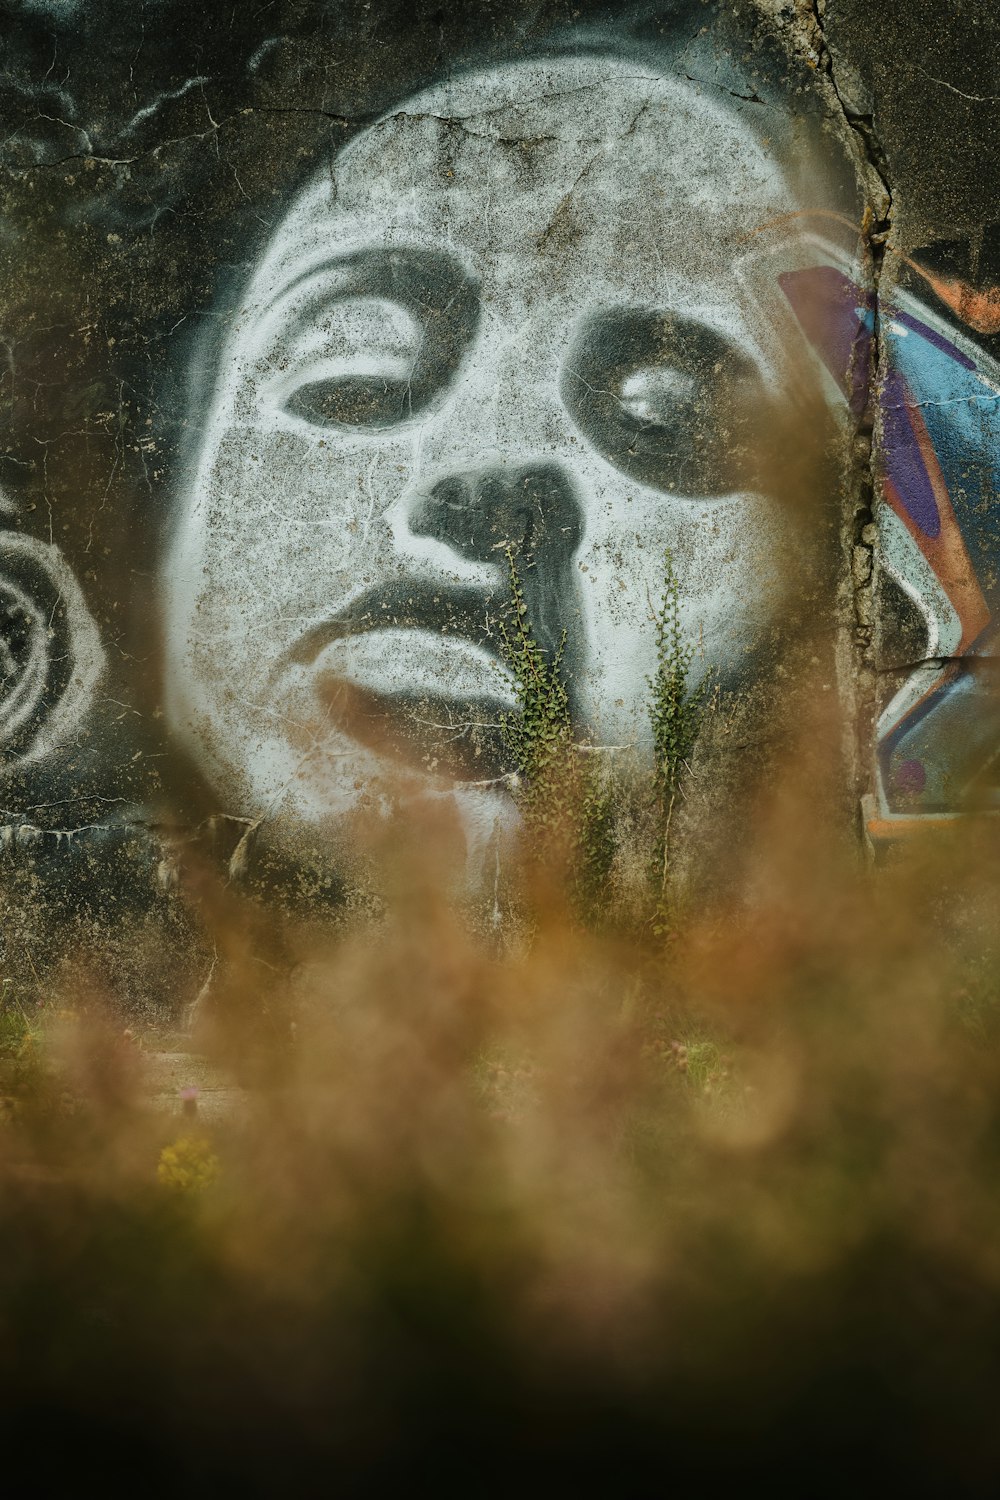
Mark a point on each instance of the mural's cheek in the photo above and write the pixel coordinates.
(283, 528)
(292, 525)
(269, 738)
(725, 558)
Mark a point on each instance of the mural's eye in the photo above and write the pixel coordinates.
(667, 400)
(354, 365)
(354, 400)
(380, 346)
(650, 396)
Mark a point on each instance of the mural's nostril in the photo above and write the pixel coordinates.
(531, 510)
(452, 493)
(530, 514)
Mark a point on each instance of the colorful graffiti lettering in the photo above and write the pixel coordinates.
(938, 447)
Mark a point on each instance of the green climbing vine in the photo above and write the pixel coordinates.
(539, 733)
(566, 797)
(676, 713)
(562, 796)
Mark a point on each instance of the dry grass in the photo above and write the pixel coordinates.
(573, 1199)
(554, 1208)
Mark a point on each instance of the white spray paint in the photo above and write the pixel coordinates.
(36, 584)
(561, 190)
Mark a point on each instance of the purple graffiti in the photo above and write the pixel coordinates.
(910, 778)
(905, 466)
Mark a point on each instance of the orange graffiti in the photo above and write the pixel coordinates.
(979, 309)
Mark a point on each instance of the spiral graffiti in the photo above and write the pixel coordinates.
(50, 650)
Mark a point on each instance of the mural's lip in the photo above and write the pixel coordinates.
(447, 609)
(423, 682)
(412, 662)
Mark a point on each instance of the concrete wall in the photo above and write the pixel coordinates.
(312, 315)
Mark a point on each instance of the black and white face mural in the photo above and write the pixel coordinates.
(480, 281)
(525, 311)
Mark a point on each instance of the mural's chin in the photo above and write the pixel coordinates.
(335, 749)
(355, 787)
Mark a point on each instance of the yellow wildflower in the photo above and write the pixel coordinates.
(189, 1164)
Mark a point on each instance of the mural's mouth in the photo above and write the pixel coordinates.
(447, 609)
(414, 672)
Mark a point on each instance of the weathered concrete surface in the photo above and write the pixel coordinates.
(185, 504)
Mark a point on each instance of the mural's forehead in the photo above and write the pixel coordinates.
(579, 152)
(587, 97)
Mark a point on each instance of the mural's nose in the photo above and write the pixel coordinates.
(532, 511)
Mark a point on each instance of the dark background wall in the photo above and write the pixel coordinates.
(928, 71)
(148, 149)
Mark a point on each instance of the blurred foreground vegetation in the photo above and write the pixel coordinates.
(555, 1212)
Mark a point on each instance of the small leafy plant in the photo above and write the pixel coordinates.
(562, 797)
(566, 802)
(676, 714)
(539, 733)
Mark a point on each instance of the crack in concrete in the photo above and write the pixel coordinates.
(977, 663)
(876, 229)
(944, 84)
(713, 83)
(972, 396)
(27, 835)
